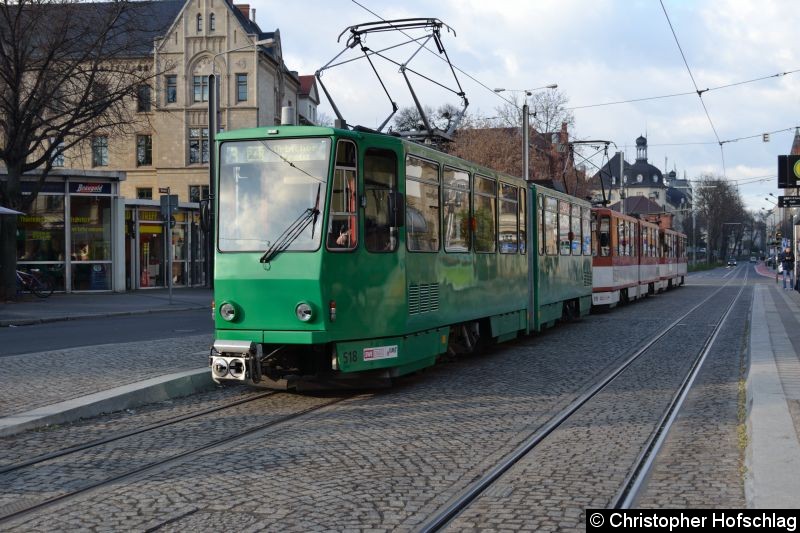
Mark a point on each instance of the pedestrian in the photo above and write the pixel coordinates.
(787, 264)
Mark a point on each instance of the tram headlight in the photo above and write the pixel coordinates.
(219, 367)
(227, 311)
(303, 312)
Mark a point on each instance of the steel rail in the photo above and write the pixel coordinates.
(461, 502)
(125, 434)
(136, 472)
(634, 482)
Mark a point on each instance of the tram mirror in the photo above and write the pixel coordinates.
(398, 208)
(205, 215)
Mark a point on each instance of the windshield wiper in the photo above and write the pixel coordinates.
(291, 233)
(316, 211)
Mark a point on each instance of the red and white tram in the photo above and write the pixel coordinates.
(633, 258)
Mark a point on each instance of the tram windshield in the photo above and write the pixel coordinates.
(264, 186)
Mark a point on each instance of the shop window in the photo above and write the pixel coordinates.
(198, 145)
(90, 220)
(40, 232)
(241, 87)
(198, 192)
(100, 151)
(144, 193)
(455, 218)
(422, 205)
(172, 88)
(144, 150)
(342, 213)
(143, 99)
(200, 89)
(380, 182)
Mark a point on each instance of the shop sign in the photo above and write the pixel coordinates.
(90, 188)
(50, 186)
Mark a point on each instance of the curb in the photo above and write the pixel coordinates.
(124, 397)
(4, 323)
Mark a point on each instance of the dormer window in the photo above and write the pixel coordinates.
(199, 23)
(639, 178)
(655, 178)
(212, 22)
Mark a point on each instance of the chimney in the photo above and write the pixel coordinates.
(254, 14)
(244, 9)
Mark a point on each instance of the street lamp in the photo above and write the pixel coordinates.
(526, 126)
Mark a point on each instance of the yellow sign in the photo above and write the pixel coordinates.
(796, 169)
(149, 228)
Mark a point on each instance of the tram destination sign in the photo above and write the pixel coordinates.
(788, 201)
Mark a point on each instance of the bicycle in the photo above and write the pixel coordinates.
(33, 281)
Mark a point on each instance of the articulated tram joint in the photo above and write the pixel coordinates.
(235, 360)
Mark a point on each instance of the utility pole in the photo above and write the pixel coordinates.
(621, 179)
(525, 142)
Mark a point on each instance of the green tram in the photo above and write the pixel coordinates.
(349, 257)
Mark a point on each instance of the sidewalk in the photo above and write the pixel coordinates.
(32, 310)
(773, 398)
(53, 387)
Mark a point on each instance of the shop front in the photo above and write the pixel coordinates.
(147, 249)
(68, 233)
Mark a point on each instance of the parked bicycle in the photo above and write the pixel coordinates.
(34, 281)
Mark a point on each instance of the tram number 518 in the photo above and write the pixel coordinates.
(350, 357)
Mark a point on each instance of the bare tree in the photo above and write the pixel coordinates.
(721, 211)
(547, 111)
(68, 70)
(408, 118)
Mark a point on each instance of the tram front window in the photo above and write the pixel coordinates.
(264, 186)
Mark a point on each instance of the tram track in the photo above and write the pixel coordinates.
(458, 504)
(24, 508)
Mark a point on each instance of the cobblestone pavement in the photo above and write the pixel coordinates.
(701, 462)
(89, 369)
(390, 460)
(385, 461)
(584, 462)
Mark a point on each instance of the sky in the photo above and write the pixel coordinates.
(597, 51)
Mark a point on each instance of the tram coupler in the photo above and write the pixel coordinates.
(235, 360)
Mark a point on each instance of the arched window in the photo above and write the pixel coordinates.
(199, 22)
(212, 22)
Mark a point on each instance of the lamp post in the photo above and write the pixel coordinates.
(213, 129)
(525, 125)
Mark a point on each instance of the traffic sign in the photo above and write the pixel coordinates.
(788, 171)
(788, 201)
(169, 204)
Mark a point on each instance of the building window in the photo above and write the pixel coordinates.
(58, 155)
(198, 145)
(100, 151)
(144, 193)
(198, 192)
(144, 150)
(200, 88)
(143, 99)
(199, 23)
(212, 22)
(172, 88)
(241, 87)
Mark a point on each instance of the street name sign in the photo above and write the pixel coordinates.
(788, 201)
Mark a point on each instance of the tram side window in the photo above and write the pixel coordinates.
(509, 222)
(380, 181)
(564, 243)
(551, 226)
(605, 236)
(540, 224)
(342, 214)
(622, 239)
(455, 216)
(523, 220)
(575, 229)
(484, 204)
(422, 205)
(586, 232)
(633, 238)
